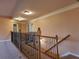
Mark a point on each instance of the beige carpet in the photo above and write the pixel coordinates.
(70, 57)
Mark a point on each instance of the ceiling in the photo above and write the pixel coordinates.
(14, 8)
(7, 7)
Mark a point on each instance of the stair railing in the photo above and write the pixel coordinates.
(52, 51)
(56, 45)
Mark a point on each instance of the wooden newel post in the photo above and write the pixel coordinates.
(39, 43)
(39, 31)
(57, 48)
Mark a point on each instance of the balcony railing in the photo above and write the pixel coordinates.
(31, 45)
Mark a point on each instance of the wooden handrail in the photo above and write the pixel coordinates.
(45, 36)
(57, 43)
(40, 35)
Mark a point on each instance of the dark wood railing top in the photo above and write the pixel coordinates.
(46, 36)
(36, 35)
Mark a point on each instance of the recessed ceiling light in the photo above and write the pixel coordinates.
(26, 12)
(19, 18)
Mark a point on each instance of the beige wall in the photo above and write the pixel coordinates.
(62, 25)
(23, 26)
(5, 28)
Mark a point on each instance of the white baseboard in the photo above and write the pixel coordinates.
(5, 40)
(70, 53)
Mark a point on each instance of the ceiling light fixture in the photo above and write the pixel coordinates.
(26, 12)
(19, 18)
